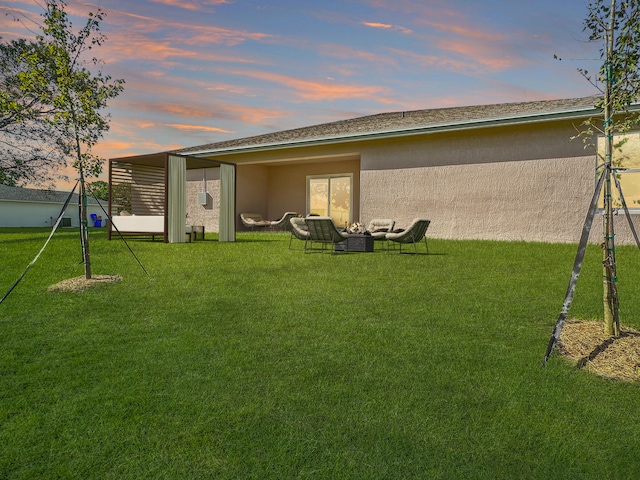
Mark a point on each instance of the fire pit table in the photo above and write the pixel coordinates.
(355, 243)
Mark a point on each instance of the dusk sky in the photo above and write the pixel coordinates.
(201, 71)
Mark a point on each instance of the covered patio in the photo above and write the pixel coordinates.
(147, 195)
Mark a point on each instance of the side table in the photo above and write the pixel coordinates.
(198, 232)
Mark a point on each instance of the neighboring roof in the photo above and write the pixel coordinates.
(407, 123)
(18, 194)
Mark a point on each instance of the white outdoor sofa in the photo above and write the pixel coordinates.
(143, 225)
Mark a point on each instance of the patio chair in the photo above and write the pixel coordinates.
(414, 233)
(324, 231)
(298, 230)
(284, 223)
(379, 227)
(253, 220)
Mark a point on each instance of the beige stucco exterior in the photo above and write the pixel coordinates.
(528, 181)
(207, 181)
(269, 188)
(283, 187)
(535, 200)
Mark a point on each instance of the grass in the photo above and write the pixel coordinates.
(248, 360)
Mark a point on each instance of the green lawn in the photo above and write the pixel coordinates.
(248, 360)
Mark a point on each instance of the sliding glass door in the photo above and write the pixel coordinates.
(331, 195)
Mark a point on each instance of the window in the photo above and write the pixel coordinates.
(626, 161)
(331, 195)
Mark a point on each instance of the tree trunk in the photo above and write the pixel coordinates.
(84, 229)
(610, 297)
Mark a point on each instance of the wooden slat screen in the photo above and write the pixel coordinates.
(138, 189)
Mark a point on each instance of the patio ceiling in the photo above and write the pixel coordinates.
(159, 159)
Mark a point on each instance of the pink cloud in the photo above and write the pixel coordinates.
(191, 5)
(454, 32)
(193, 108)
(178, 32)
(116, 145)
(180, 100)
(348, 53)
(435, 61)
(197, 128)
(12, 30)
(117, 148)
(130, 36)
(465, 30)
(169, 108)
(316, 90)
(129, 137)
(232, 89)
(208, 34)
(387, 26)
(134, 46)
(378, 25)
(482, 53)
(17, 12)
(253, 115)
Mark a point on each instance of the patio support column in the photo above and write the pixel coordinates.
(177, 199)
(227, 224)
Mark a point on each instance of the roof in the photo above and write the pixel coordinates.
(34, 195)
(158, 160)
(407, 123)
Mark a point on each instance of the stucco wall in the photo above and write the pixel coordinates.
(530, 182)
(526, 182)
(475, 146)
(252, 191)
(541, 200)
(204, 181)
(272, 190)
(288, 185)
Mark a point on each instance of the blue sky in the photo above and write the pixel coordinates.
(200, 71)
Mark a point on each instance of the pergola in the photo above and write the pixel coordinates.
(153, 188)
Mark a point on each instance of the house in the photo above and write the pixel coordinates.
(503, 171)
(26, 207)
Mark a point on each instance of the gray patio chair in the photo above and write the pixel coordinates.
(323, 230)
(414, 233)
(298, 230)
(253, 220)
(379, 227)
(284, 223)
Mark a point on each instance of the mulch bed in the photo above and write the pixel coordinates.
(80, 284)
(584, 344)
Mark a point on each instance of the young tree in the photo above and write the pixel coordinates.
(98, 189)
(615, 23)
(29, 150)
(76, 95)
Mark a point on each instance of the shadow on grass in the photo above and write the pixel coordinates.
(601, 348)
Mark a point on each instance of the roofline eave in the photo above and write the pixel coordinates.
(445, 127)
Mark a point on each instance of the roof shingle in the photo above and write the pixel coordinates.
(35, 195)
(398, 121)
